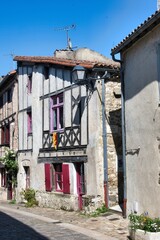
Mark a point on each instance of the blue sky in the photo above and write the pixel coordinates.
(29, 27)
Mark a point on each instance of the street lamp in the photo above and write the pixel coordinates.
(79, 77)
(79, 74)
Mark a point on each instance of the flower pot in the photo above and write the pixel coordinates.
(142, 235)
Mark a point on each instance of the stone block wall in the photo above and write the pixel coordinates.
(57, 200)
(114, 141)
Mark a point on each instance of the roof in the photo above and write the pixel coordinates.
(65, 62)
(8, 78)
(137, 33)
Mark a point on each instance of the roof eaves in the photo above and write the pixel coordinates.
(64, 62)
(10, 75)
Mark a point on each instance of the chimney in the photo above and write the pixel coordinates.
(158, 5)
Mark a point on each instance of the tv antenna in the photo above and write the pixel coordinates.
(67, 29)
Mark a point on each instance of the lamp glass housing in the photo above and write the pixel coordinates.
(78, 73)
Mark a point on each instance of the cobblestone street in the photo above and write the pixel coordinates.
(18, 222)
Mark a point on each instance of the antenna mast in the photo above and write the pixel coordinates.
(67, 29)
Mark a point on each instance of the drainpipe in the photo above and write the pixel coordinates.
(104, 135)
(123, 138)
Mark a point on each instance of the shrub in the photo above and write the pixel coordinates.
(144, 222)
(99, 211)
(29, 196)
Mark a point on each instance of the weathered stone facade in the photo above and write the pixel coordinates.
(114, 141)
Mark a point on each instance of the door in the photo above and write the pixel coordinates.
(80, 183)
(9, 187)
(27, 172)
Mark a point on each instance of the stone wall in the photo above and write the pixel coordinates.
(114, 141)
(57, 200)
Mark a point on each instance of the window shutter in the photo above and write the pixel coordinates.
(7, 133)
(48, 184)
(66, 184)
(2, 135)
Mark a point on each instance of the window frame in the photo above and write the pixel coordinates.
(46, 72)
(1, 101)
(58, 177)
(3, 177)
(9, 95)
(5, 135)
(57, 110)
(29, 84)
(29, 122)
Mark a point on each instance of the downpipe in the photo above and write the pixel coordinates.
(123, 137)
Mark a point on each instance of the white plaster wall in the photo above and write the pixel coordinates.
(46, 114)
(37, 175)
(67, 108)
(94, 183)
(142, 114)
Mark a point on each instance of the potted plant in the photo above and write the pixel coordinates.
(144, 227)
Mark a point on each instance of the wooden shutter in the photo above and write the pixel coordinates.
(2, 135)
(66, 183)
(48, 182)
(7, 134)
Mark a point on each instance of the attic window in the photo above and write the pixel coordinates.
(46, 73)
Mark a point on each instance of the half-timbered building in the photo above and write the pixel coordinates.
(8, 128)
(60, 130)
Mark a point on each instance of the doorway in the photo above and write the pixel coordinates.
(80, 183)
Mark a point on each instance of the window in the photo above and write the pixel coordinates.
(57, 177)
(46, 73)
(9, 95)
(3, 177)
(57, 112)
(1, 101)
(27, 172)
(5, 135)
(29, 83)
(29, 121)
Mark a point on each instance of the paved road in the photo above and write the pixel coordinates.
(19, 225)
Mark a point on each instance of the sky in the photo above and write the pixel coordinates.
(37, 28)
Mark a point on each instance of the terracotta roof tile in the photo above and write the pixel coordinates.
(65, 62)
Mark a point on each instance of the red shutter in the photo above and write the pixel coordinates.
(66, 184)
(48, 184)
(7, 133)
(2, 135)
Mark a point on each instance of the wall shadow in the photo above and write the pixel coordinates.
(12, 229)
(114, 120)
